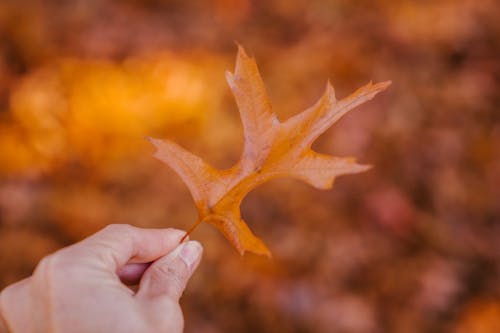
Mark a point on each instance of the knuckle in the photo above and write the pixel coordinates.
(117, 228)
(51, 267)
(47, 270)
(45, 275)
(46, 266)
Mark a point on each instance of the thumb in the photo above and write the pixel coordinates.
(167, 277)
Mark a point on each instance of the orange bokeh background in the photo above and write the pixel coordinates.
(412, 245)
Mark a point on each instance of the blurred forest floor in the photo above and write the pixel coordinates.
(412, 245)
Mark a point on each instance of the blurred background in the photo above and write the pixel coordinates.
(412, 245)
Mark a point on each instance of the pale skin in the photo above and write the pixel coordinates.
(82, 288)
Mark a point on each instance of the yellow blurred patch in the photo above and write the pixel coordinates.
(93, 112)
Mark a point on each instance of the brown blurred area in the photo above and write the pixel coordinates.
(413, 245)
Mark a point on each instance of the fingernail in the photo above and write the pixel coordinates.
(190, 253)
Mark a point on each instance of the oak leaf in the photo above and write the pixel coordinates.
(272, 149)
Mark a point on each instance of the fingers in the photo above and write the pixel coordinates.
(131, 274)
(118, 244)
(167, 277)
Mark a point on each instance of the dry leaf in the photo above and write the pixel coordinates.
(272, 149)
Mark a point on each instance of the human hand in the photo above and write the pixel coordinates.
(81, 288)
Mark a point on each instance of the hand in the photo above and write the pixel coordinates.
(81, 287)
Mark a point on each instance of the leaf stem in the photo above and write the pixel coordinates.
(190, 230)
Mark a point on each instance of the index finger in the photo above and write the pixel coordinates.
(118, 244)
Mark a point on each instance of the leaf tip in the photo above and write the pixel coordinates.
(266, 253)
(356, 167)
(153, 141)
(330, 91)
(256, 246)
(382, 85)
(157, 143)
(241, 51)
(230, 78)
(370, 90)
(261, 251)
(363, 167)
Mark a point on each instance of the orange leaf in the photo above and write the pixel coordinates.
(272, 149)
